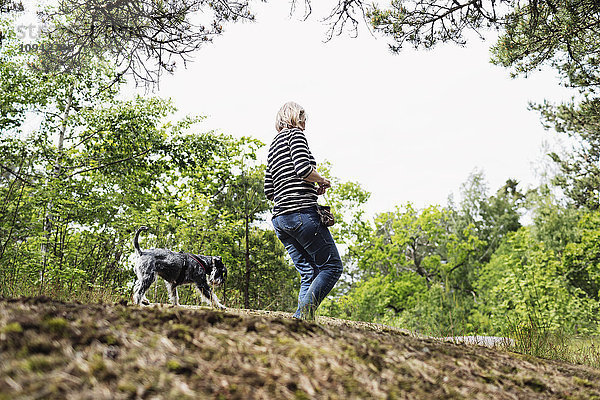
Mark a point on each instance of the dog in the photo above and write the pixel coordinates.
(176, 269)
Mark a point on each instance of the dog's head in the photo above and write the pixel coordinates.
(219, 272)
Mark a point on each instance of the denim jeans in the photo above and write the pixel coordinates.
(314, 254)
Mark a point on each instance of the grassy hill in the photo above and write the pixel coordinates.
(56, 350)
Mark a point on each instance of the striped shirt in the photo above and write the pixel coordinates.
(288, 163)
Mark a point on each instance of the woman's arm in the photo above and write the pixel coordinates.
(268, 186)
(323, 183)
(299, 153)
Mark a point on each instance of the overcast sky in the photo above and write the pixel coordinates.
(408, 127)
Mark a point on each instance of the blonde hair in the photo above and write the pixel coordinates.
(290, 115)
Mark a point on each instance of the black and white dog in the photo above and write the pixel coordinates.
(176, 269)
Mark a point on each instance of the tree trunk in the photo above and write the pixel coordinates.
(247, 254)
(48, 218)
(247, 250)
(5, 208)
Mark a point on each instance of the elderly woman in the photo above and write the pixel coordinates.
(290, 182)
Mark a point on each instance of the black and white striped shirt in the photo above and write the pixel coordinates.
(288, 163)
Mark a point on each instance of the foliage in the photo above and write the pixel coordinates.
(378, 299)
(143, 38)
(561, 33)
(579, 175)
(81, 168)
(581, 258)
(405, 241)
(440, 312)
(491, 217)
(532, 34)
(77, 184)
(524, 282)
(424, 23)
(472, 268)
(346, 200)
(411, 264)
(554, 222)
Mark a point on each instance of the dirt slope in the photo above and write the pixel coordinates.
(55, 350)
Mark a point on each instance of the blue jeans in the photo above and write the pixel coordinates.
(314, 254)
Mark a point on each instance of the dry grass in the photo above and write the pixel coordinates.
(57, 350)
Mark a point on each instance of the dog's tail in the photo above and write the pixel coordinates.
(136, 244)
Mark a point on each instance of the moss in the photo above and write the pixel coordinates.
(208, 353)
(245, 356)
(301, 395)
(297, 325)
(13, 327)
(264, 360)
(231, 319)
(57, 325)
(254, 326)
(350, 384)
(127, 387)
(488, 377)
(109, 339)
(303, 353)
(180, 331)
(97, 364)
(185, 365)
(284, 340)
(173, 365)
(350, 352)
(582, 382)
(41, 363)
(482, 362)
(508, 369)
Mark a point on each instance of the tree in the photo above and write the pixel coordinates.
(378, 299)
(491, 217)
(581, 257)
(76, 185)
(562, 34)
(532, 33)
(147, 38)
(437, 252)
(86, 164)
(415, 241)
(555, 222)
(245, 200)
(579, 171)
(523, 284)
(143, 37)
(411, 272)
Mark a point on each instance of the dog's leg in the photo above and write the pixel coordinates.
(172, 290)
(209, 296)
(141, 286)
(215, 300)
(137, 299)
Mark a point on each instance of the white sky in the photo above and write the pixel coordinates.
(407, 127)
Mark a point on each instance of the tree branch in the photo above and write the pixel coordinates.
(107, 164)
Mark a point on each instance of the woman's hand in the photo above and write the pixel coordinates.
(323, 183)
(323, 186)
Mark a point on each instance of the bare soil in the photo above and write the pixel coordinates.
(55, 350)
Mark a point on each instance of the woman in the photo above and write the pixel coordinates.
(290, 182)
